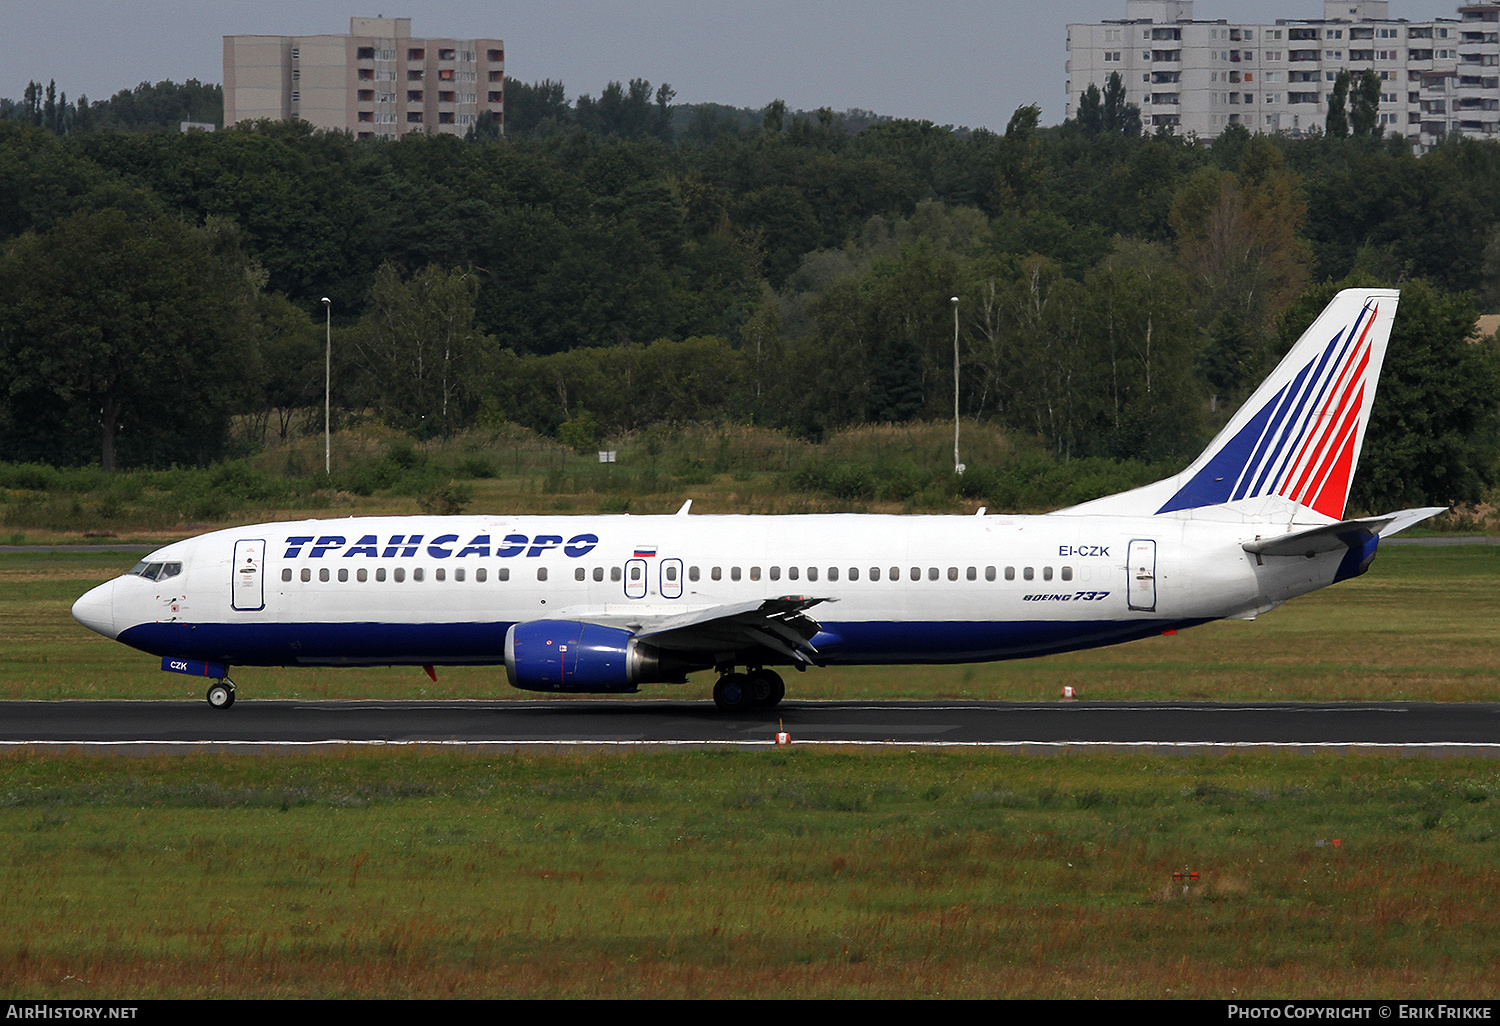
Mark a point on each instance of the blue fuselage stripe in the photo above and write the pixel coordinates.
(389, 644)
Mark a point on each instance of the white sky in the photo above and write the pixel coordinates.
(961, 62)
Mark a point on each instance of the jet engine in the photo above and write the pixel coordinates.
(566, 655)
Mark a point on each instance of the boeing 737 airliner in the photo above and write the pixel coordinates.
(608, 603)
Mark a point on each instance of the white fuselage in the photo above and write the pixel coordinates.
(898, 589)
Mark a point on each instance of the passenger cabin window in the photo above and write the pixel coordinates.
(286, 574)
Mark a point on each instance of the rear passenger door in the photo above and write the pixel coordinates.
(1140, 583)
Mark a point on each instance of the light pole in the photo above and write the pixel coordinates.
(327, 380)
(958, 468)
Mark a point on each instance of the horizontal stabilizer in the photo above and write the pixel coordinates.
(1344, 534)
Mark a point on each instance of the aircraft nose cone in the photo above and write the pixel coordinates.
(96, 610)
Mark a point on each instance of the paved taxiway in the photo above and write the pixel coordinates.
(1417, 725)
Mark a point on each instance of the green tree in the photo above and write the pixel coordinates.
(531, 108)
(1117, 114)
(1237, 235)
(421, 351)
(116, 329)
(1091, 110)
(1140, 331)
(774, 119)
(1336, 125)
(292, 351)
(1364, 108)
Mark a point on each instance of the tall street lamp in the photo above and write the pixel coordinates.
(958, 468)
(327, 379)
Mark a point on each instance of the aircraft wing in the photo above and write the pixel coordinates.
(779, 624)
(1331, 537)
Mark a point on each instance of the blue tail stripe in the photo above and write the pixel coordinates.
(1213, 484)
(1275, 436)
(1287, 427)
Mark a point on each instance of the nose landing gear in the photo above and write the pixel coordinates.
(221, 693)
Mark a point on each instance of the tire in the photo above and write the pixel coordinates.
(732, 692)
(221, 694)
(768, 688)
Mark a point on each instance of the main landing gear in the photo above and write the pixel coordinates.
(221, 693)
(758, 689)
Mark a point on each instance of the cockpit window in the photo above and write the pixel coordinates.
(156, 571)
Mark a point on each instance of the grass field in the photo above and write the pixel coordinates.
(775, 872)
(792, 873)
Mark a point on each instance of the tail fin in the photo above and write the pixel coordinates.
(1290, 451)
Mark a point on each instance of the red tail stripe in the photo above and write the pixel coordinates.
(1334, 494)
(1330, 420)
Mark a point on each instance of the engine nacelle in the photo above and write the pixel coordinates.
(565, 655)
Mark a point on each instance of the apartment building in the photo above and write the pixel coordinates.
(376, 82)
(1437, 77)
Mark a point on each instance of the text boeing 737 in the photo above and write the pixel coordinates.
(607, 603)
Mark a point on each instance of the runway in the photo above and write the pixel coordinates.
(1414, 727)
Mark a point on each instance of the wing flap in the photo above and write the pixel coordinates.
(779, 624)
